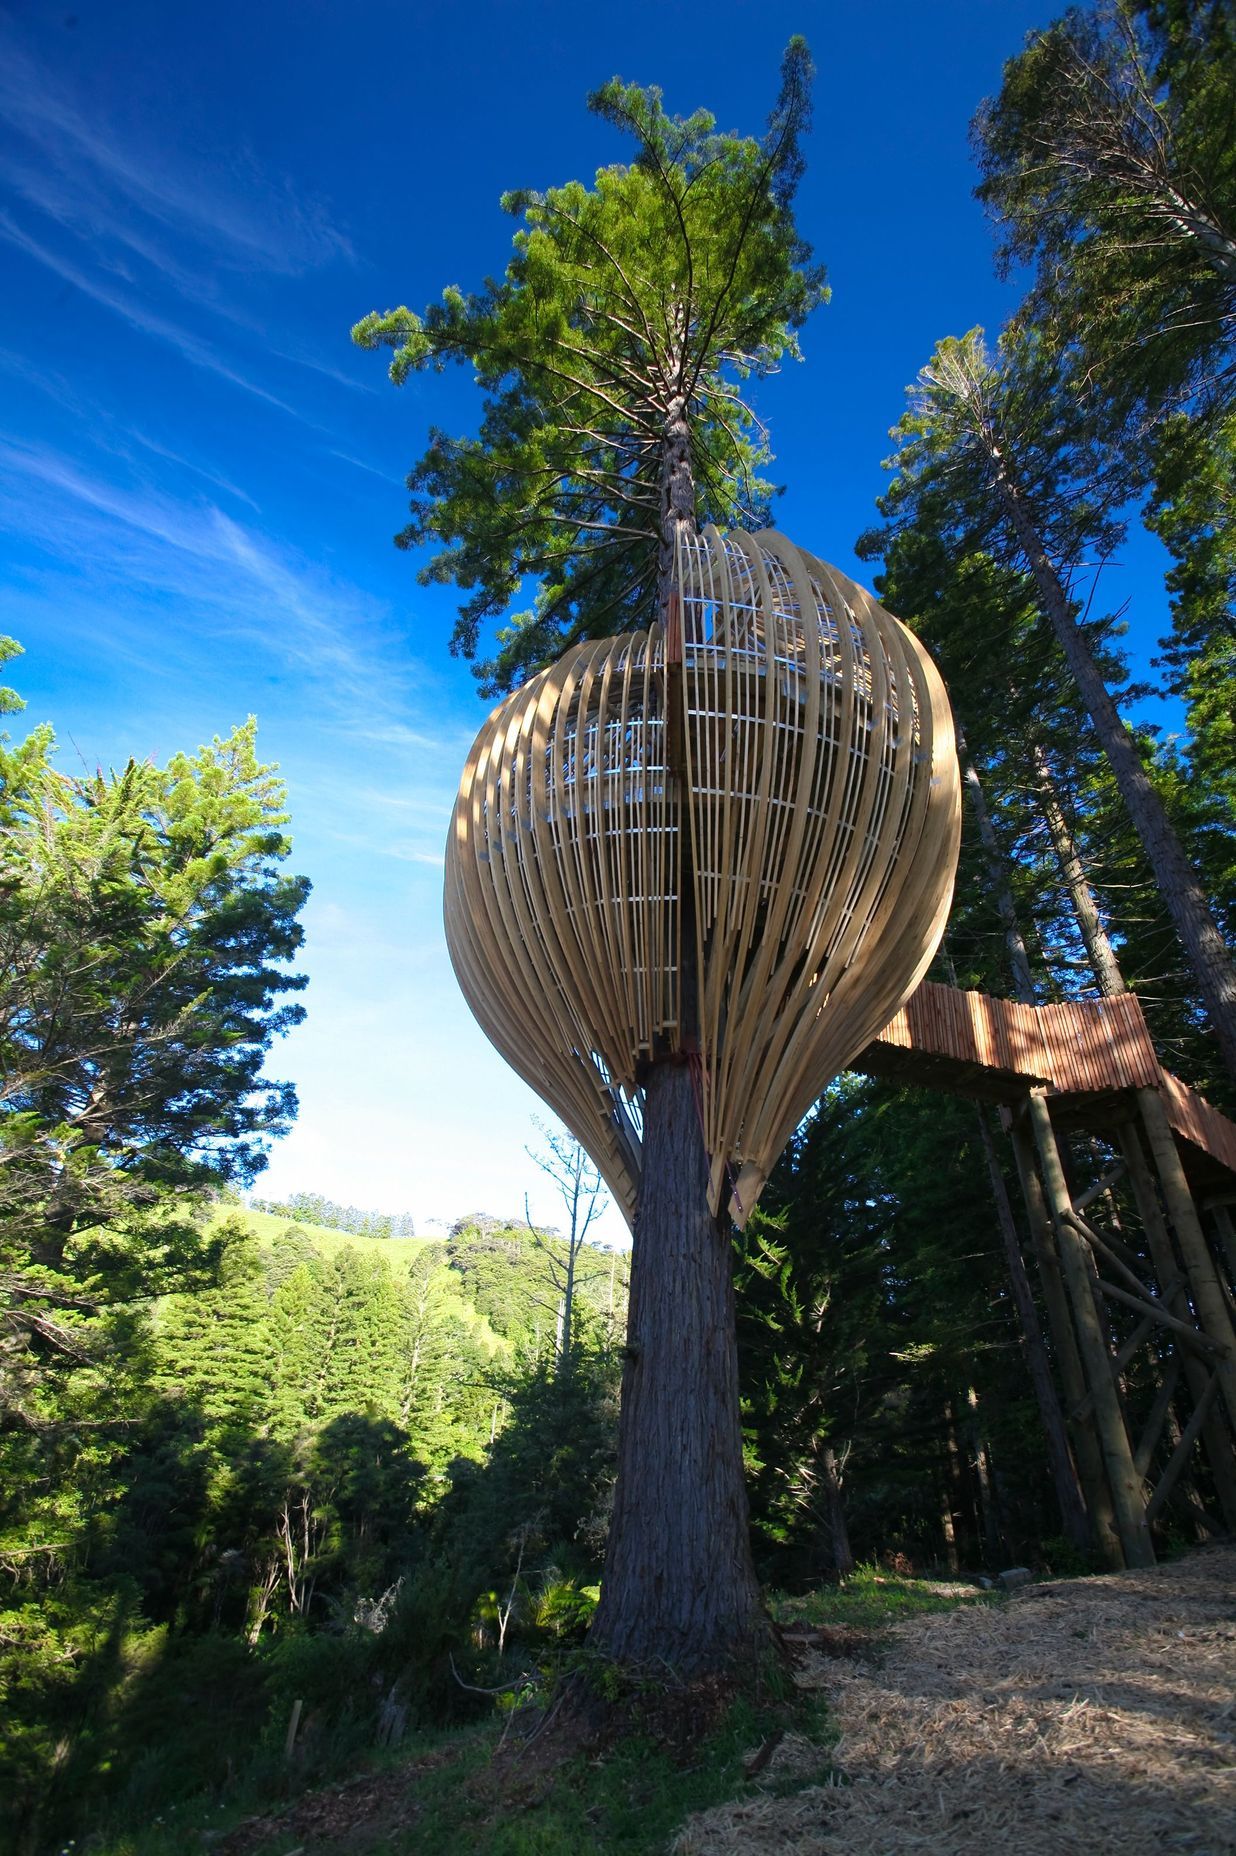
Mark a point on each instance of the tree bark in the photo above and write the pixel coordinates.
(1059, 1456)
(841, 1553)
(1125, 1483)
(1086, 1444)
(1064, 1475)
(1215, 1434)
(678, 1588)
(1095, 938)
(679, 1585)
(998, 883)
(1208, 1300)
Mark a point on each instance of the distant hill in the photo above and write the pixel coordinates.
(329, 1238)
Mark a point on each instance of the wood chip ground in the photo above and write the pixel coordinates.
(1095, 1715)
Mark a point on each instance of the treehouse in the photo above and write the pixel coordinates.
(731, 838)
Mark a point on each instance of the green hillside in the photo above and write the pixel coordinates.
(266, 1225)
(396, 1254)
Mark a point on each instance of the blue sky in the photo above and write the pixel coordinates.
(199, 477)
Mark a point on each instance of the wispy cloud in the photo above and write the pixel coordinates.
(192, 347)
(346, 457)
(215, 478)
(229, 576)
(125, 220)
(240, 216)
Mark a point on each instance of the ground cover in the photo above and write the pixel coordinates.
(1077, 1715)
(492, 1790)
(1082, 1715)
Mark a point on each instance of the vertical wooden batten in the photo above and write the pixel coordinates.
(774, 776)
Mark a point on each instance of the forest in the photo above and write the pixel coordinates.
(286, 1488)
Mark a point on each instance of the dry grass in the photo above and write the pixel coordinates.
(1095, 1715)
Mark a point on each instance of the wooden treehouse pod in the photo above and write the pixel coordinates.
(774, 781)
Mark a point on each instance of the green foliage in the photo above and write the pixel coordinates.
(871, 1598)
(1110, 165)
(629, 311)
(956, 568)
(514, 1276)
(314, 1475)
(1192, 511)
(312, 1208)
(144, 927)
(1108, 162)
(979, 421)
(10, 702)
(542, 1492)
(631, 1800)
(872, 1300)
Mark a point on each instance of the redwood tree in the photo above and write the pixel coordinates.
(613, 354)
(997, 454)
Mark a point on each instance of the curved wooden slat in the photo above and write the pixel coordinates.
(815, 818)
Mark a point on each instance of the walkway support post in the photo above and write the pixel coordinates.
(1216, 1436)
(1064, 1471)
(1194, 1250)
(1128, 1499)
(1090, 1463)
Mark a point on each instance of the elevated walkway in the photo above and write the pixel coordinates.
(1087, 1055)
(1115, 1278)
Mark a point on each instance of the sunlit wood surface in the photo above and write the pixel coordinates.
(995, 1049)
(777, 783)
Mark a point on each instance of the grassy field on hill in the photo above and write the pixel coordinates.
(397, 1253)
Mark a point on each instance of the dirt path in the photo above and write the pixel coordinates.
(1093, 1716)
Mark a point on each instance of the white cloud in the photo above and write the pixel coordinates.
(88, 175)
(191, 346)
(236, 581)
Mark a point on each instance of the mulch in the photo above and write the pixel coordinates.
(1089, 1716)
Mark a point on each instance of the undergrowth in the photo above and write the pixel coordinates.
(871, 1598)
(476, 1794)
(480, 1790)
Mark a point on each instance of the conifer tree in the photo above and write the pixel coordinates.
(1109, 164)
(613, 353)
(1001, 447)
(214, 1345)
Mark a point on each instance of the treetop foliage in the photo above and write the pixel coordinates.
(10, 701)
(314, 1208)
(1109, 163)
(145, 931)
(976, 418)
(629, 309)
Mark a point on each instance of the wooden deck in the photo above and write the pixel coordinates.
(1087, 1054)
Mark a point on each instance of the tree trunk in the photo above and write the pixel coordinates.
(1064, 1475)
(1215, 1434)
(1068, 1357)
(1099, 950)
(1125, 1483)
(1208, 1299)
(997, 879)
(840, 1551)
(677, 493)
(952, 1558)
(1178, 882)
(1106, 969)
(988, 1519)
(679, 1588)
(679, 1585)
(1227, 1238)
(566, 1320)
(1059, 1456)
